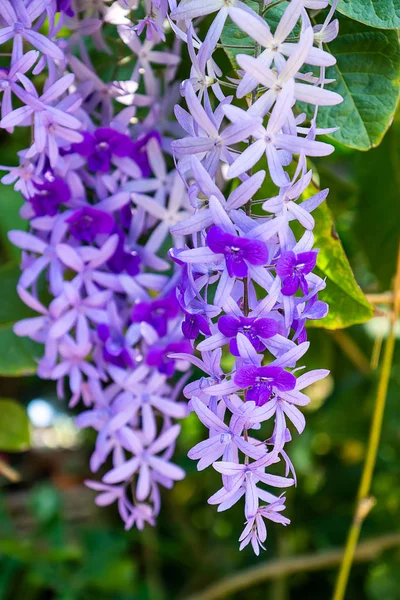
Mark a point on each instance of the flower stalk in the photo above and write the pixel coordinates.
(364, 502)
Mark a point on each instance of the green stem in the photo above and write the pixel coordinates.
(364, 501)
(272, 5)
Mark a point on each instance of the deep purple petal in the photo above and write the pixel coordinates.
(286, 264)
(256, 252)
(228, 326)
(291, 284)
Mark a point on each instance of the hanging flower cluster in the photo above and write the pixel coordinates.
(100, 200)
(248, 286)
(126, 318)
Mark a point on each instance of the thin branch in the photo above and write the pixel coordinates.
(274, 569)
(352, 351)
(385, 298)
(376, 351)
(364, 501)
(9, 473)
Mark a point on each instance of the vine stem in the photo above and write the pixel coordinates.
(246, 308)
(285, 567)
(364, 501)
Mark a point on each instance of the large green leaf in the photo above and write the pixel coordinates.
(366, 75)
(17, 355)
(384, 14)
(14, 426)
(347, 303)
(377, 225)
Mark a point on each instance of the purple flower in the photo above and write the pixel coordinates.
(237, 251)
(254, 329)
(313, 309)
(18, 20)
(65, 7)
(156, 313)
(153, 29)
(86, 223)
(193, 324)
(50, 123)
(292, 269)
(123, 260)
(49, 195)
(114, 349)
(261, 382)
(139, 154)
(100, 147)
(158, 355)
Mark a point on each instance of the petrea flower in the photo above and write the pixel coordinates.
(100, 147)
(124, 260)
(19, 27)
(275, 46)
(292, 269)
(87, 223)
(115, 349)
(9, 79)
(270, 139)
(159, 356)
(254, 329)
(65, 7)
(194, 324)
(313, 309)
(237, 251)
(51, 123)
(275, 83)
(146, 459)
(156, 313)
(210, 142)
(49, 195)
(261, 382)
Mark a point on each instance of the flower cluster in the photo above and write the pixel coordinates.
(99, 200)
(104, 203)
(248, 286)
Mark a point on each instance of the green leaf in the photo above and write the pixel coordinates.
(17, 355)
(10, 204)
(347, 303)
(377, 223)
(375, 13)
(14, 426)
(366, 75)
(11, 306)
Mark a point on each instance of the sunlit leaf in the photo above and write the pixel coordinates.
(17, 355)
(376, 13)
(14, 426)
(347, 303)
(366, 75)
